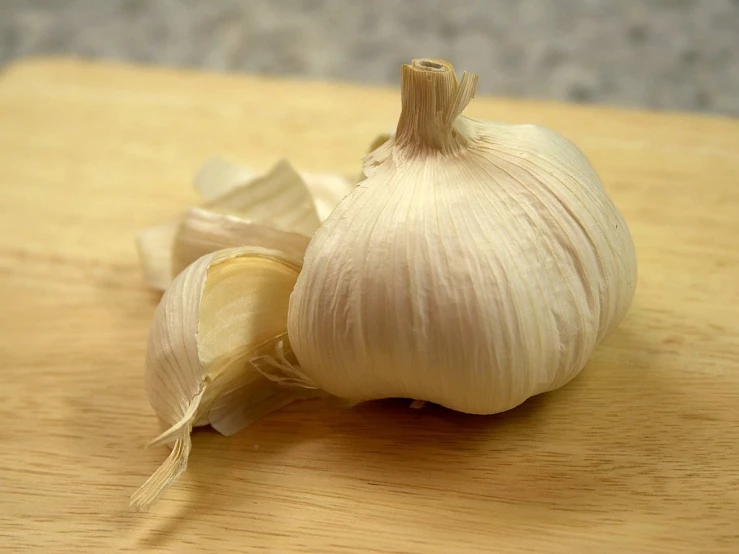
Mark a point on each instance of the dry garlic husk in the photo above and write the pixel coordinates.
(477, 265)
(218, 177)
(219, 328)
(281, 199)
(202, 232)
(154, 247)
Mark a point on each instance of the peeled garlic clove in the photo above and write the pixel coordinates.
(477, 265)
(154, 248)
(203, 231)
(220, 323)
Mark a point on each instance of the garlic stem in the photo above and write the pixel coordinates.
(431, 100)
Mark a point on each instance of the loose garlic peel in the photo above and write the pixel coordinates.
(279, 198)
(217, 328)
(154, 248)
(282, 198)
(219, 177)
(202, 232)
(477, 265)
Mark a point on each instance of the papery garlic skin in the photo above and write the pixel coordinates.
(217, 343)
(478, 264)
(202, 232)
(279, 201)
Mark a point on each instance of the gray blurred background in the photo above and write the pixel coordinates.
(660, 54)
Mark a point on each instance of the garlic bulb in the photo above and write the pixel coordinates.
(218, 330)
(477, 265)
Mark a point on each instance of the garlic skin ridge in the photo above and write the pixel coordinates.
(477, 265)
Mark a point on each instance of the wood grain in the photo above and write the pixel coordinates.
(638, 454)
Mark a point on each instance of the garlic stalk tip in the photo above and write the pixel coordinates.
(431, 100)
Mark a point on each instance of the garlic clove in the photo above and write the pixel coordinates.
(218, 329)
(154, 248)
(203, 231)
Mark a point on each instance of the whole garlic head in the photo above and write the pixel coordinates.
(477, 265)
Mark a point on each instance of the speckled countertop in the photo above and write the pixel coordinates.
(660, 54)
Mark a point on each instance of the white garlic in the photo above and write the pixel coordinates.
(477, 265)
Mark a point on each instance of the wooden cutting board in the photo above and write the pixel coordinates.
(638, 454)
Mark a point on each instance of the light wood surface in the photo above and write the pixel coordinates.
(638, 454)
